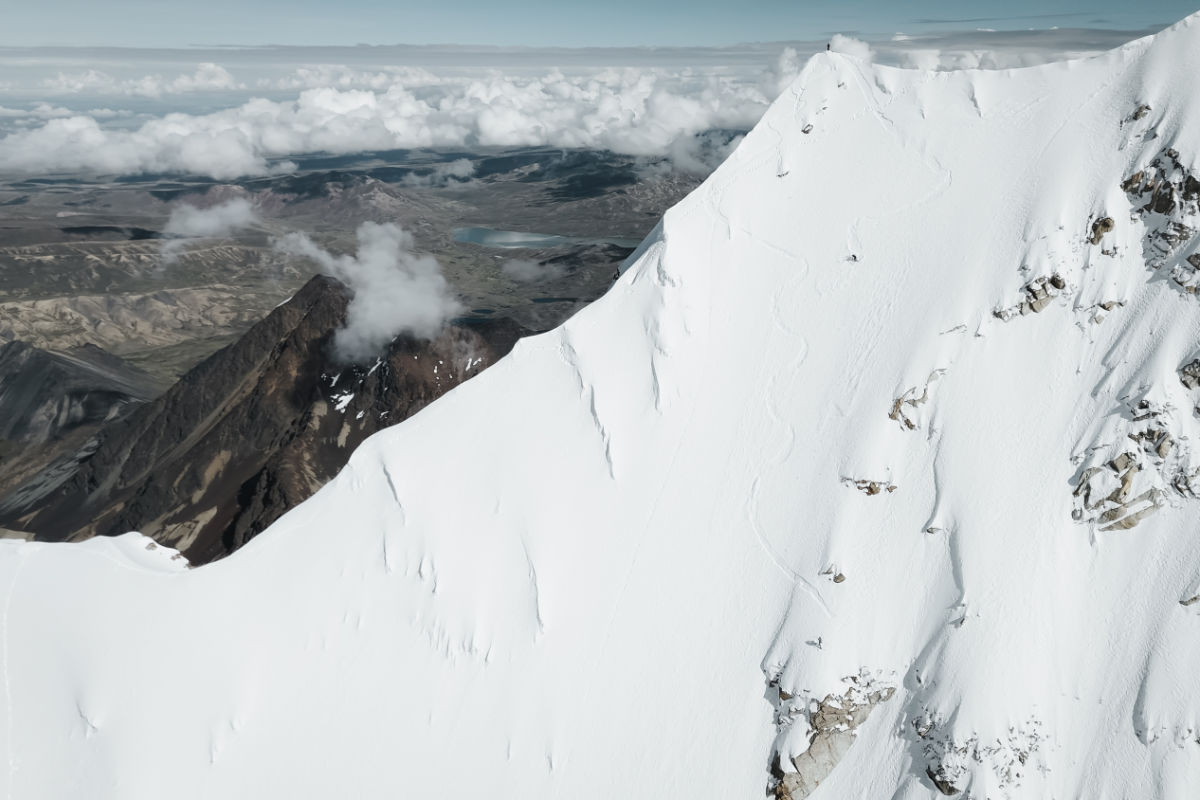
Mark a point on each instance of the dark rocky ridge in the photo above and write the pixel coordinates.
(51, 402)
(44, 394)
(248, 433)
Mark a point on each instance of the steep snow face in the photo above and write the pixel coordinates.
(873, 471)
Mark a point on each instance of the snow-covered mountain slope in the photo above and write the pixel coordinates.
(875, 468)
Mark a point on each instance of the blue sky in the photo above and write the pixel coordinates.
(176, 23)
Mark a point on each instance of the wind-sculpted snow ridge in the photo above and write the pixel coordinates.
(640, 557)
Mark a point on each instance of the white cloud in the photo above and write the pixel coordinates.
(207, 77)
(459, 98)
(176, 143)
(701, 153)
(637, 112)
(850, 46)
(923, 59)
(188, 221)
(40, 111)
(74, 83)
(47, 111)
(218, 220)
(523, 270)
(779, 75)
(458, 170)
(341, 76)
(393, 289)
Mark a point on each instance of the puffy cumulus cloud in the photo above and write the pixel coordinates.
(92, 81)
(175, 143)
(850, 46)
(955, 59)
(39, 112)
(701, 153)
(656, 109)
(922, 59)
(637, 112)
(341, 76)
(188, 221)
(219, 220)
(460, 169)
(393, 289)
(523, 270)
(780, 74)
(207, 77)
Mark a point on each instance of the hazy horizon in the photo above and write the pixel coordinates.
(241, 109)
(540, 23)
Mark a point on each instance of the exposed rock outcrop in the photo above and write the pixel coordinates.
(906, 409)
(1166, 196)
(1153, 464)
(51, 402)
(832, 724)
(45, 394)
(1038, 294)
(870, 487)
(1100, 227)
(248, 433)
(951, 760)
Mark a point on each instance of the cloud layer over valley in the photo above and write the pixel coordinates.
(246, 112)
(629, 111)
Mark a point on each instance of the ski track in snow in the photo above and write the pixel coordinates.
(716, 197)
(854, 244)
(715, 190)
(795, 578)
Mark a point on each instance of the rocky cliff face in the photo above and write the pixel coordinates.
(248, 433)
(51, 402)
(46, 394)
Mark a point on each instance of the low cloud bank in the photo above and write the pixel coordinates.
(188, 221)
(654, 109)
(394, 290)
(41, 111)
(207, 77)
(635, 112)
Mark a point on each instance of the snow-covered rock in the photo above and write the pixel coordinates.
(641, 556)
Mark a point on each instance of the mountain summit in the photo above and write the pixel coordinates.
(874, 475)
